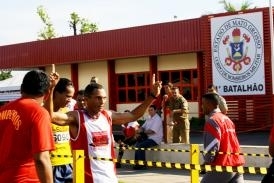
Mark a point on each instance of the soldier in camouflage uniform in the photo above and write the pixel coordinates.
(178, 106)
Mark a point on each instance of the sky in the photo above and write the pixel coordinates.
(21, 23)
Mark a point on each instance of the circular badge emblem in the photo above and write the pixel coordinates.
(237, 50)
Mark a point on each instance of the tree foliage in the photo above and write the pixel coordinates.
(75, 19)
(48, 31)
(5, 75)
(79, 25)
(82, 25)
(87, 26)
(231, 8)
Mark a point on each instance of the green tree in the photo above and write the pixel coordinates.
(79, 25)
(48, 31)
(85, 25)
(74, 21)
(5, 75)
(231, 8)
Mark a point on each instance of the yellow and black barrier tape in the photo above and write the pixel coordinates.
(154, 149)
(207, 168)
(61, 156)
(237, 153)
(184, 150)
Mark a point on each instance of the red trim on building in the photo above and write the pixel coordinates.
(112, 85)
(106, 45)
(75, 76)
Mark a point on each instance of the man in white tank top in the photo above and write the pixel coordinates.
(90, 129)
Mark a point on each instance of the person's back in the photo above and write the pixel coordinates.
(16, 124)
(228, 140)
(25, 134)
(220, 138)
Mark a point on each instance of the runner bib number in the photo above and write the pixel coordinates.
(61, 137)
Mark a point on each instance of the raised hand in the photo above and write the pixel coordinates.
(54, 76)
(156, 86)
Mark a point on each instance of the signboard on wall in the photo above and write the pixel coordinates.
(237, 54)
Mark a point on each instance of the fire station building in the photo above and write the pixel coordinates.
(229, 50)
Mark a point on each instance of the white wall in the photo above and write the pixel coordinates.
(98, 69)
(86, 71)
(132, 65)
(177, 61)
(63, 70)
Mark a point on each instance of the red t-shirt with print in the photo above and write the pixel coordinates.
(25, 129)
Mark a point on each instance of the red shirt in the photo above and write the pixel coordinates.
(129, 132)
(224, 132)
(271, 137)
(158, 102)
(25, 129)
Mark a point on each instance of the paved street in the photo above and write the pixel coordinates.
(163, 175)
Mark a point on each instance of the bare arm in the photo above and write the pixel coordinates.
(43, 167)
(63, 119)
(58, 118)
(120, 118)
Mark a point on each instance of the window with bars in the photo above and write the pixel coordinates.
(186, 80)
(133, 87)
